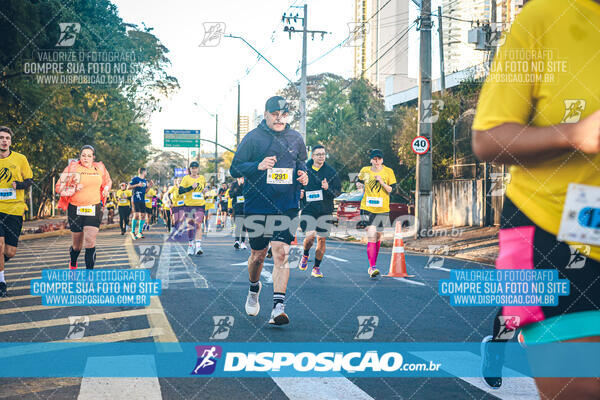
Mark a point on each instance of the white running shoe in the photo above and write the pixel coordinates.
(191, 249)
(252, 303)
(236, 245)
(199, 250)
(243, 246)
(278, 315)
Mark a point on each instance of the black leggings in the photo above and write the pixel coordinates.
(168, 219)
(124, 217)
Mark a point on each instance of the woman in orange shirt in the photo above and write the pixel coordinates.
(84, 186)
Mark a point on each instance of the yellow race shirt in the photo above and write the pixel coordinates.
(166, 201)
(13, 168)
(556, 40)
(210, 199)
(376, 199)
(176, 198)
(229, 200)
(150, 193)
(124, 198)
(193, 198)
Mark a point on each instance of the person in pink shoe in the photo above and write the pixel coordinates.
(378, 181)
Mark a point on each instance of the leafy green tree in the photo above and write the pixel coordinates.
(52, 121)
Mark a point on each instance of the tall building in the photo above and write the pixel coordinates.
(381, 43)
(459, 54)
(244, 126)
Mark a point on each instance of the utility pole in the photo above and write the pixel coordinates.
(424, 199)
(303, 82)
(441, 41)
(303, 79)
(237, 133)
(487, 167)
(377, 48)
(494, 32)
(198, 154)
(216, 146)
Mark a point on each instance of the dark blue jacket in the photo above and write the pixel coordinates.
(288, 147)
(315, 178)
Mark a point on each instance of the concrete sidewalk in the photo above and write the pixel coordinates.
(472, 243)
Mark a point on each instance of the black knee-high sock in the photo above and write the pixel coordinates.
(90, 257)
(278, 297)
(74, 255)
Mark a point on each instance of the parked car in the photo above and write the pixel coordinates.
(348, 206)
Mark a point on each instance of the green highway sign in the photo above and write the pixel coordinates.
(181, 138)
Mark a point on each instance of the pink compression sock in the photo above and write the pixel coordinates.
(372, 253)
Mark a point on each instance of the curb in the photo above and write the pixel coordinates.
(481, 260)
(60, 232)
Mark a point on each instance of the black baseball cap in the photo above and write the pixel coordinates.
(376, 153)
(277, 103)
(194, 164)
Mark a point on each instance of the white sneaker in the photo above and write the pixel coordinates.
(252, 303)
(236, 245)
(243, 246)
(278, 315)
(199, 248)
(191, 249)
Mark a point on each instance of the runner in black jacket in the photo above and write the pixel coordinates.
(271, 158)
(317, 200)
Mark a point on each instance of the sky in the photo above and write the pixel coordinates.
(208, 76)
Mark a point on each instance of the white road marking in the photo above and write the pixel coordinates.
(147, 388)
(410, 281)
(311, 388)
(166, 272)
(246, 264)
(336, 258)
(267, 275)
(440, 268)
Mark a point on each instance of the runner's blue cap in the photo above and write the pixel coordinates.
(376, 153)
(194, 164)
(277, 103)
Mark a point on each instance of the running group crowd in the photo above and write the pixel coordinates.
(547, 130)
(273, 181)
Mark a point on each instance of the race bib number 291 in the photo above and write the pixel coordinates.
(279, 176)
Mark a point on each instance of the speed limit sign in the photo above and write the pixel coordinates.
(420, 145)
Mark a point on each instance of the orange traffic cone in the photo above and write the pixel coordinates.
(295, 240)
(398, 261)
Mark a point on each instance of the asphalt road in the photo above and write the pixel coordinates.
(200, 292)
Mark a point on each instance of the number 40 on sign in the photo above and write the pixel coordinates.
(420, 145)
